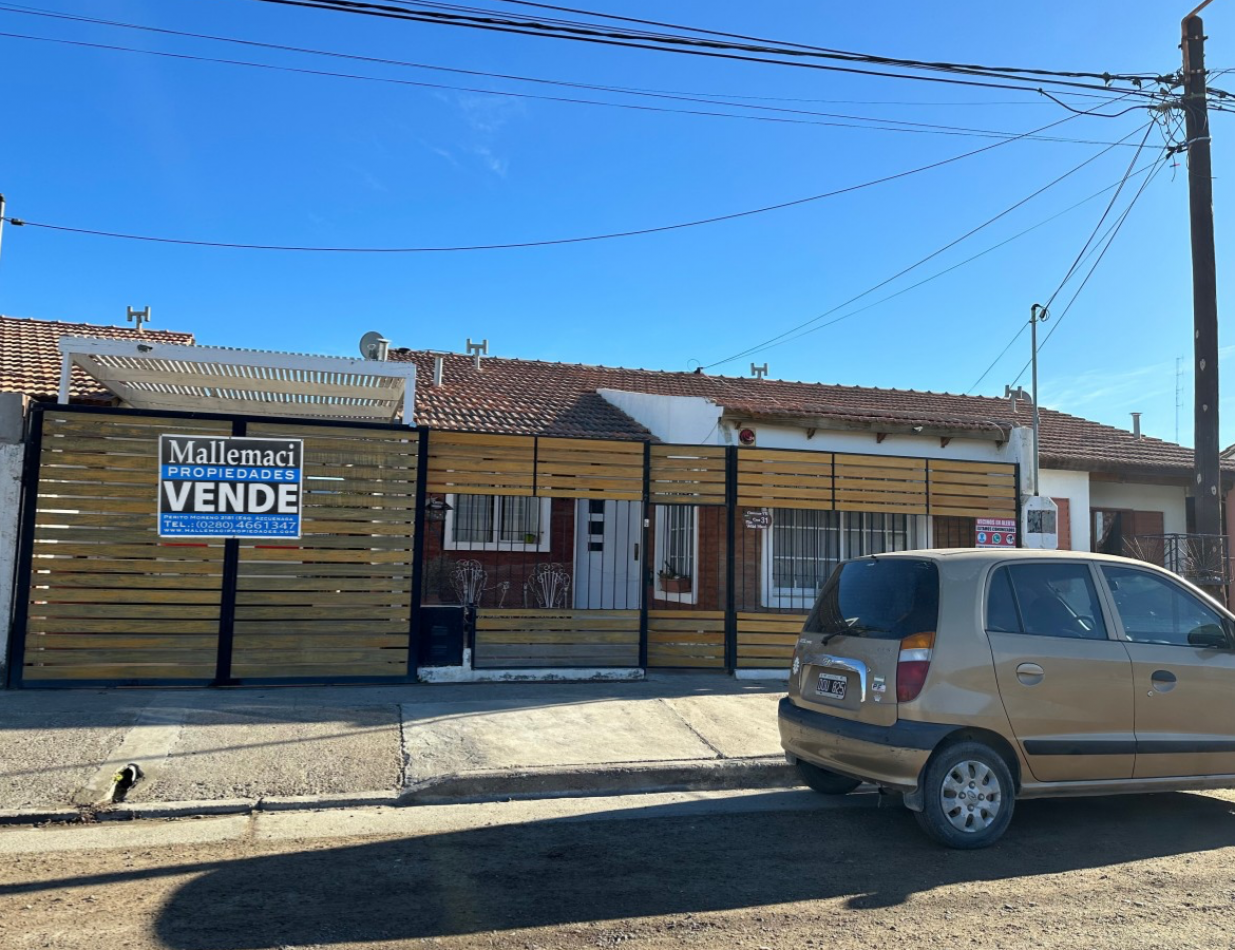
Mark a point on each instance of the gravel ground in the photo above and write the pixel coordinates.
(1136, 872)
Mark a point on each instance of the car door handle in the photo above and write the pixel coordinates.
(1163, 680)
(1030, 674)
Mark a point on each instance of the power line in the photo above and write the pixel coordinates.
(18, 222)
(899, 125)
(956, 266)
(786, 46)
(780, 337)
(1108, 237)
(1076, 262)
(1109, 241)
(680, 45)
(628, 90)
(1115, 197)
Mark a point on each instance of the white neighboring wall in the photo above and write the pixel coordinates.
(1073, 486)
(1171, 500)
(688, 420)
(864, 443)
(693, 420)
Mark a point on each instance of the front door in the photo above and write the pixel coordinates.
(1185, 690)
(608, 555)
(1066, 685)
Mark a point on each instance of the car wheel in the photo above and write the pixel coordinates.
(828, 783)
(967, 796)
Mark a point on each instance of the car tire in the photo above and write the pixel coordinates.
(959, 786)
(825, 782)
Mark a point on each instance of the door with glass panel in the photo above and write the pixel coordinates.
(1183, 668)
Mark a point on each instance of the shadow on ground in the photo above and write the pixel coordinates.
(670, 859)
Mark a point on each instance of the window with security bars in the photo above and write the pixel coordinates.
(677, 553)
(676, 541)
(804, 546)
(497, 522)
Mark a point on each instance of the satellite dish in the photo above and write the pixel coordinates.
(373, 346)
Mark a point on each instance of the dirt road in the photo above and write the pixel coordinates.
(774, 870)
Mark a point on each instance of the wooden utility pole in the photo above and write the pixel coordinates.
(1208, 487)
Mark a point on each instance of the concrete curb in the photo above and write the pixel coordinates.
(590, 780)
(462, 788)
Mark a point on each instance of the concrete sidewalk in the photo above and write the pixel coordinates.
(212, 751)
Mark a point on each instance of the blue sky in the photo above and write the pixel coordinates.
(119, 141)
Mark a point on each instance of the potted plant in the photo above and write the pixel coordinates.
(671, 582)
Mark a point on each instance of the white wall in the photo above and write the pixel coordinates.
(1073, 486)
(1168, 499)
(11, 457)
(690, 420)
(865, 443)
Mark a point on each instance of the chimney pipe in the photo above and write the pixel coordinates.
(438, 363)
(1136, 425)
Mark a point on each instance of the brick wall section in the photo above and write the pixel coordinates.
(710, 556)
(513, 567)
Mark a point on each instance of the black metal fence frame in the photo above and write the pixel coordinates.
(223, 677)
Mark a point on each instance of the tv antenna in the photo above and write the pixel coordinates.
(477, 350)
(759, 371)
(139, 317)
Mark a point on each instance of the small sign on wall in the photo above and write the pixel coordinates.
(996, 533)
(758, 518)
(212, 487)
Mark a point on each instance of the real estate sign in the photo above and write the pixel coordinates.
(229, 487)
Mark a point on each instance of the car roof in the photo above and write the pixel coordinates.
(980, 555)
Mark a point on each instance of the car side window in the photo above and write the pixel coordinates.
(1001, 613)
(1154, 610)
(1056, 600)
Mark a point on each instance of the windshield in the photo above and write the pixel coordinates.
(886, 598)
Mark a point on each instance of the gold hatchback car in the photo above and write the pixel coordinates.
(966, 679)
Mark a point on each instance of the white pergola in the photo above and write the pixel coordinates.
(147, 374)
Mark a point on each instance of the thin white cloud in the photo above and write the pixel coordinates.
(494, 163)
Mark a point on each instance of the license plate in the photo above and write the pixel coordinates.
(831, 685)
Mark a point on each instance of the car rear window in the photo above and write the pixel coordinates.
(884, 598)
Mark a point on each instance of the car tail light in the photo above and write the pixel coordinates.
(913, 664)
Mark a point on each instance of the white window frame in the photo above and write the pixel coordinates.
(542, 545)
(662, 544)
(802, 599)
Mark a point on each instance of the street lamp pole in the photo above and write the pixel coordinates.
(1037, 313)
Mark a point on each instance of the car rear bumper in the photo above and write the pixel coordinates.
(892, 756)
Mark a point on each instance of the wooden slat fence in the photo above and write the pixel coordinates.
(972, 489)
(783, 478)
(108, 600)
(766, 640)
(556, 638)
(687, 639)
(687, 474)
(337, 602)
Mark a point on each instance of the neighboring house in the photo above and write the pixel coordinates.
(30, 357)
(1117, 491)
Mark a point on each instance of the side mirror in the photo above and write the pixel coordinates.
(1209, 636)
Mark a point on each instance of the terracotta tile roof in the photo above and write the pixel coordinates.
(534, 397)
(30, 359)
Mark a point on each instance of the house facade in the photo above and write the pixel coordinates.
(529, 519)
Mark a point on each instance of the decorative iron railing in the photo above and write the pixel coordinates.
(1203, 559)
